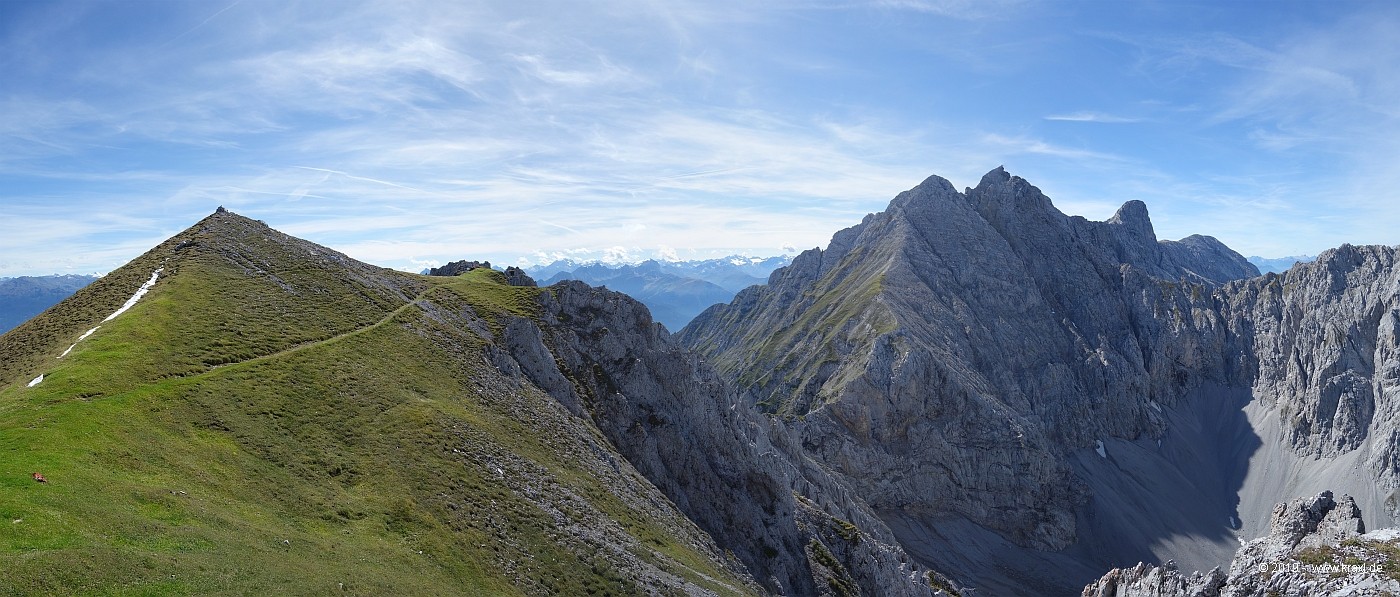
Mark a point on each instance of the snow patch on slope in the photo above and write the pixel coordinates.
(140, 292)
(80, 339)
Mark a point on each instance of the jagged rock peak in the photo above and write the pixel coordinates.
(1348, 257)
(1132, 212)
(1134, 219)
(932, 188)
(997, 176)
(999, 194)
(990, 315)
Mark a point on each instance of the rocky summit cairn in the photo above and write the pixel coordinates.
(1316, 547)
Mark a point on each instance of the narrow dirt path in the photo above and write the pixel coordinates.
(307, 345)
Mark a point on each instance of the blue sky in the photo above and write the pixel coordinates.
(413, 133)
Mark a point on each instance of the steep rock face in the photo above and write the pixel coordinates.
(738, 475)
(942, 351)
(977, 361)
(1321, 407)
(1324, 337)
(1315, 547)
(948, 356)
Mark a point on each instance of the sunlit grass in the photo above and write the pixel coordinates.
(228, 435)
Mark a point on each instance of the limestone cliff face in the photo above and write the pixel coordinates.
(946, 353)
(1079, 388)
(1323, 337)
(738, 475)
(1316, 547)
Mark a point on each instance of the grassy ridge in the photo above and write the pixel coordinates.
(213, 439)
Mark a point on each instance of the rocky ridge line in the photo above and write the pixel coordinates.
(980, 357)
(738, 475)
(945, 353)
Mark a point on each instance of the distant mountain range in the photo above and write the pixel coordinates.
(674, 291)
(27, 296)
(1279, 265)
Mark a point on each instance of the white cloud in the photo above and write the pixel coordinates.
(617, 255)
(1092, 117)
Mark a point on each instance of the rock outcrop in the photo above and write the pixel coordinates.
(738, 475)
(1316, 547)
(517, 277)
(458, 267)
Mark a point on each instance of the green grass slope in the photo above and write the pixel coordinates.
(275, 417)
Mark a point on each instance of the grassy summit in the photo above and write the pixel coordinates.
(274, 416)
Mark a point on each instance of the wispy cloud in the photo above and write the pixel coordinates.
(1092, 117)
(1331, 84)
(388, 129)
(201, 24)
(604, 72)
(959, 9)
(1023, 144)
